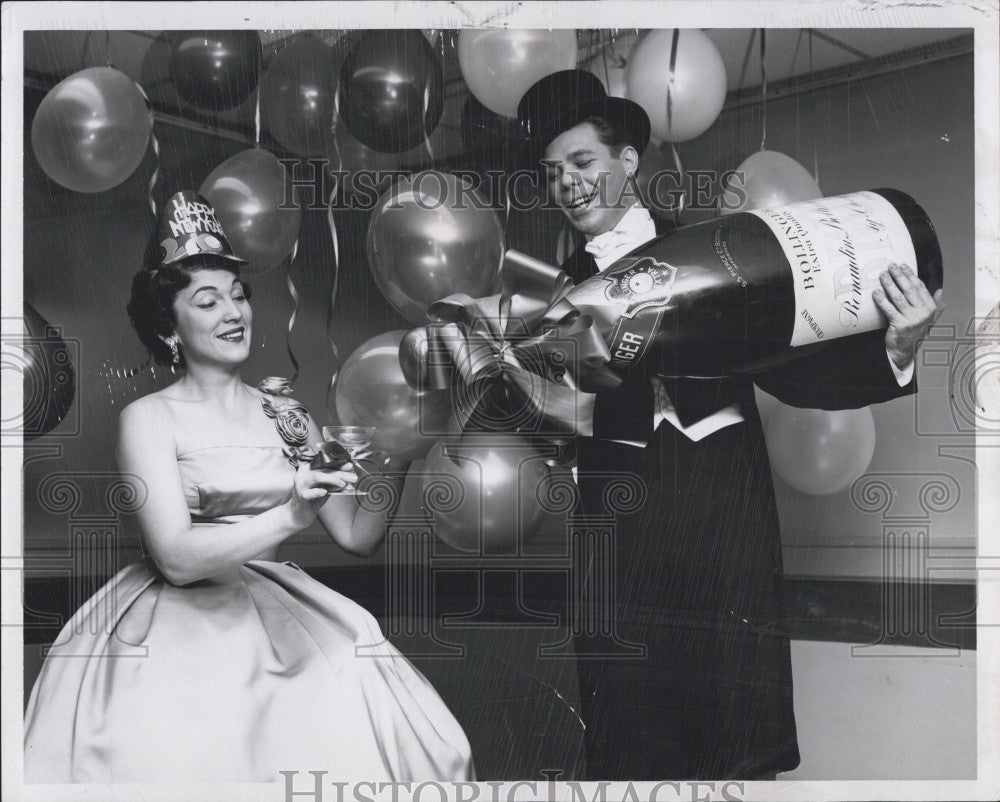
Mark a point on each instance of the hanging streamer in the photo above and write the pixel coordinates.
(423, 117)
(83, 50)
(156, 153)
(670, 124)
(295, 309)
(612, 46)
(763, 90)
(334, 239)
(746, 59)
(813, 111)
(256, 110)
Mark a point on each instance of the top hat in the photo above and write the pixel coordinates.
(188, 227)
(566, 98)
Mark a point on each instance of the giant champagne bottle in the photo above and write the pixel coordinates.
(758, 288)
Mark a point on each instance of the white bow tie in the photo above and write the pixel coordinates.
(605, 244)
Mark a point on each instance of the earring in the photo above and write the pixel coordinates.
(175, 351)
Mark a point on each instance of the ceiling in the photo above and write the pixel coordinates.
(50, 56)
(60, 53)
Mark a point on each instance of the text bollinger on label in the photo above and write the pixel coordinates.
(837, 248)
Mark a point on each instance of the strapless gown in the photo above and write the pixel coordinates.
(235, 678)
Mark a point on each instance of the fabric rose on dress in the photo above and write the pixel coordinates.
(290, 418)
(275, 385)
(291, 421)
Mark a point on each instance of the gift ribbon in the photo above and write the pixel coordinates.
(511, 351)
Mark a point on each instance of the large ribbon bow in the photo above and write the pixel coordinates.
(524, 356)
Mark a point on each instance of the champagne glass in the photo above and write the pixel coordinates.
(355, 440)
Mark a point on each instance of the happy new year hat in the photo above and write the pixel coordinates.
(188, 227)
(566, 98)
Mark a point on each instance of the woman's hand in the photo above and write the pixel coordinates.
(312, 488)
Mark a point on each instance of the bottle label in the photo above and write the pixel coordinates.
(640, 289)
(837, 248)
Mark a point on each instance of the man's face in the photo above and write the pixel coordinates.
(587, 180)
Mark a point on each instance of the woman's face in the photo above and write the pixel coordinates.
(587, 180)
(213, 318)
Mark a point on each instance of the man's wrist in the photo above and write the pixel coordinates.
(902, 366)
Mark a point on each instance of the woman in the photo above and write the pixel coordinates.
(210, 661)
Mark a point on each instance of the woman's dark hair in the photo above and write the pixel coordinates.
(154, 287)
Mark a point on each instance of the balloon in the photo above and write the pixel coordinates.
(426, 242)
(90, 131)
(500, 65)
(391, 90)
(482, 488)
(697, 86)
(247, 191)
(47, 372)
(371, 391)
(345, 153)
(481, 129)
(819, 452)
(769, 179)
(215, 70)
(656, 194)
(609, 65)
(298, 96)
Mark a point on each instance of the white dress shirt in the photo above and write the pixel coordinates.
(635, 228)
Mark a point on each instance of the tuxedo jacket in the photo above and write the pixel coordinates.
(697, 569)
(846, 373)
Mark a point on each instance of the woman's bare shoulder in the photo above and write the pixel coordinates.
(155, 405)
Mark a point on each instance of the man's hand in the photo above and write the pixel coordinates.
(904, 299)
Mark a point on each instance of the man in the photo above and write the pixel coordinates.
(698, 568)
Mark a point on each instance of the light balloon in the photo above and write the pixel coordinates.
(247, 192)
(371, 391)
(697, 84)
(818, 452)
(429, 238)
(90, 131)
(768, 179)
(500, 65)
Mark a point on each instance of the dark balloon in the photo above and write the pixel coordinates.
(483, 491)
(298, 96)
(49, 377)
(482, 129)
(391, 90)
(216, 70)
